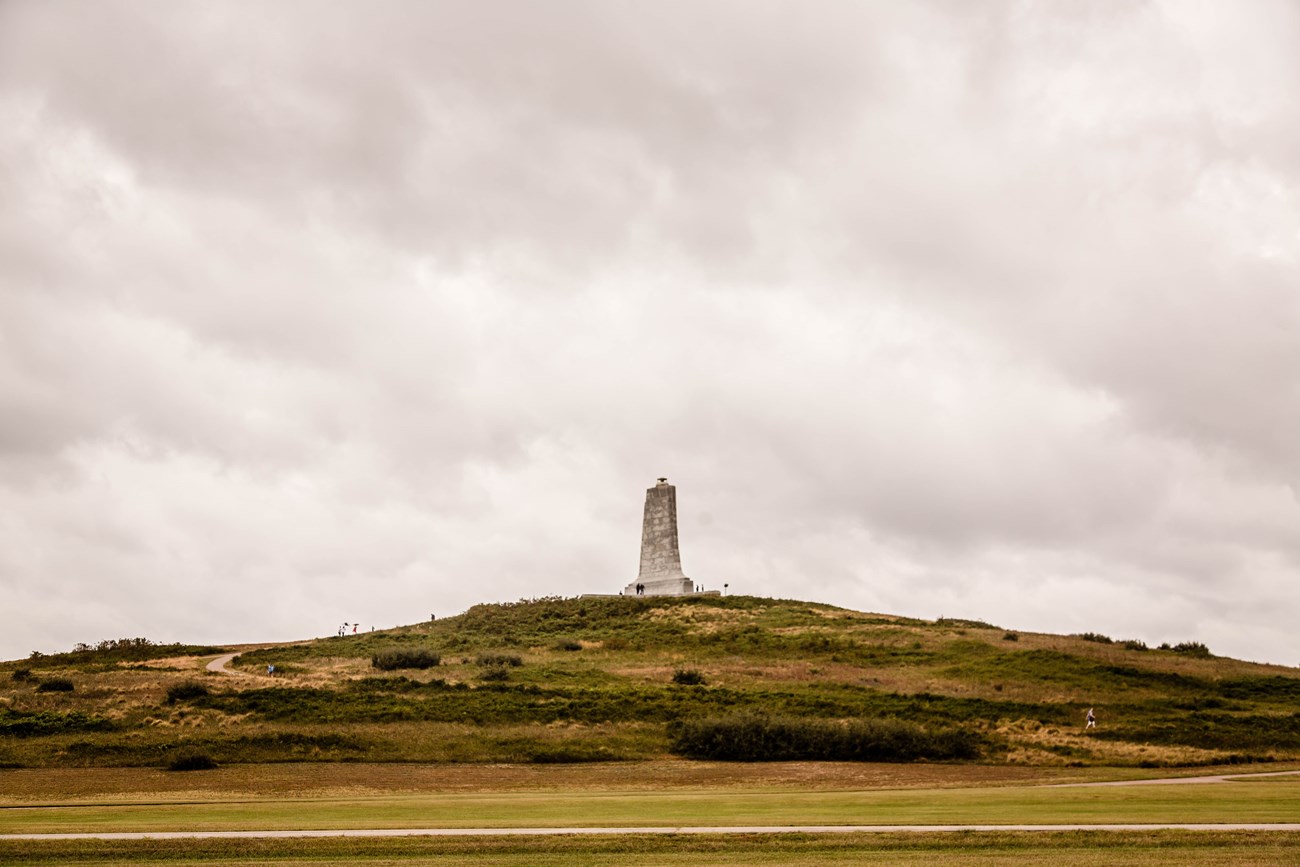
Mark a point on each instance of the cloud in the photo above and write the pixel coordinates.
(310, 315)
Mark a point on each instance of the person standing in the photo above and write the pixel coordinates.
(1092, 720)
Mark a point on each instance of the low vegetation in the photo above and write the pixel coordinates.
(400, 657)
(762, 738)
(191, 760)
(55, 684)
(559, 680)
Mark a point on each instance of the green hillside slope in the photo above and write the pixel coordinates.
(558, 680)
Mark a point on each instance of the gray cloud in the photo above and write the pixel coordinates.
(311, 314)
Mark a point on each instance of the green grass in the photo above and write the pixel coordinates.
(1068, 849)
(1161, 848)
(614, 696)
(1214, 803)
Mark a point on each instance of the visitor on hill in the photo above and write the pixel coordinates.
(1092, 720)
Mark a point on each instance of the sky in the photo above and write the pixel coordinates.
(315, 313)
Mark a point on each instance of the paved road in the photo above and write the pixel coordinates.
(720, 829)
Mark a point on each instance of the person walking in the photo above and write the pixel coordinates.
(1092, 720)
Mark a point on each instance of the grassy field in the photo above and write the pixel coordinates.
(805, 850)
(557, 681)
(674, 794)
(951, 797)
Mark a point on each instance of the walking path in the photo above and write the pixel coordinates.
(591, 832)
(219, 665)
(1167, 781)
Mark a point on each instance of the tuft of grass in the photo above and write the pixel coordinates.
(504, 659)
(186, 691)
(191, 760)
(55, 684)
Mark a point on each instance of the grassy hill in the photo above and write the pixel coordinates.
(561, 680)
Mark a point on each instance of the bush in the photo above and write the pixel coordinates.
(185, 691)
(55, 684)
(22, 675)
(760, 738)
(503, 659)
(496, 673)
(1192, 648)
(688, 677)
(1011, 636)
(1134, 644)
(1095, 636)
(190, 760)
(25, 724)
(400, 657)
(568, 644)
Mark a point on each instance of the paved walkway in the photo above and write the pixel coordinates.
(219, 665)
(590, 832)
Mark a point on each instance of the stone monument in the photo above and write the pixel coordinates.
(661, 561)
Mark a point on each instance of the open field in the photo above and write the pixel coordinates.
(571, 713)
(677, 794)
(798, 850)
(949, 799)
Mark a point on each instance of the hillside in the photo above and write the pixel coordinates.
(558, 680)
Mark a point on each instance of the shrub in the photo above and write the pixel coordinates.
(24, 724)
(1134, 644)
(402, 657)
(191, 760)
(688, 677)
(502, 659)
(1192, 648)
(55, 684)
(958, 621)
(495, 672)
(1010, 636)
(22, 675)
(185, 691)
(568, 644)
(760, 738)
(1095, 636)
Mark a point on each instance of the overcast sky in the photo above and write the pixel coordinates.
(325, 312)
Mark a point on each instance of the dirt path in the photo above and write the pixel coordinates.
(724, 829)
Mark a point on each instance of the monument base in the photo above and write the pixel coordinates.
(678, 585)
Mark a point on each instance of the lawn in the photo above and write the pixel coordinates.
(1064, 849)
(576, 805)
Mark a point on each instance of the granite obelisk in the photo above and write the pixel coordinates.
(661, 560)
